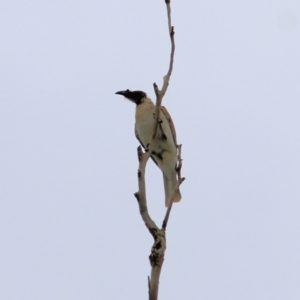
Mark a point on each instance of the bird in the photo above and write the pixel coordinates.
(164, 153)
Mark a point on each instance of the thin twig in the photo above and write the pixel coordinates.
(141, 194)
(160, 93)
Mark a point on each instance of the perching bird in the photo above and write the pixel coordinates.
(164, 153)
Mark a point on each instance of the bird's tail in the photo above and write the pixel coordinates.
(170, 185)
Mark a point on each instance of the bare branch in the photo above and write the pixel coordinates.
(156, 261)
(141, 194)
(160, 93)
(158, 249)
(171, 33)
(149, 286)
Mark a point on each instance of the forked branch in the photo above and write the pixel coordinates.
(159, 234)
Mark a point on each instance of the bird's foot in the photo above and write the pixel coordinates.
(147, 147)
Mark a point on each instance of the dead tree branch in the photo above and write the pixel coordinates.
(160, 93)
(141, 194)
(159, 234)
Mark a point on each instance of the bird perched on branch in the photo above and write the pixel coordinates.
(164, 153)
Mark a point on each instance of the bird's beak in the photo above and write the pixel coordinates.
(121, 93)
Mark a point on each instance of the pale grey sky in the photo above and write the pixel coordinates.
(69, 223)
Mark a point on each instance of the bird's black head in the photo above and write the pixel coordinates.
(134, 96)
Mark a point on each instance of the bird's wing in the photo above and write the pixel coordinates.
(171, 124)
(136, 135)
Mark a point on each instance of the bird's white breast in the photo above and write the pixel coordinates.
(144, 121)
(145, 117)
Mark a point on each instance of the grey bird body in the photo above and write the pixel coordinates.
(164, 152)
